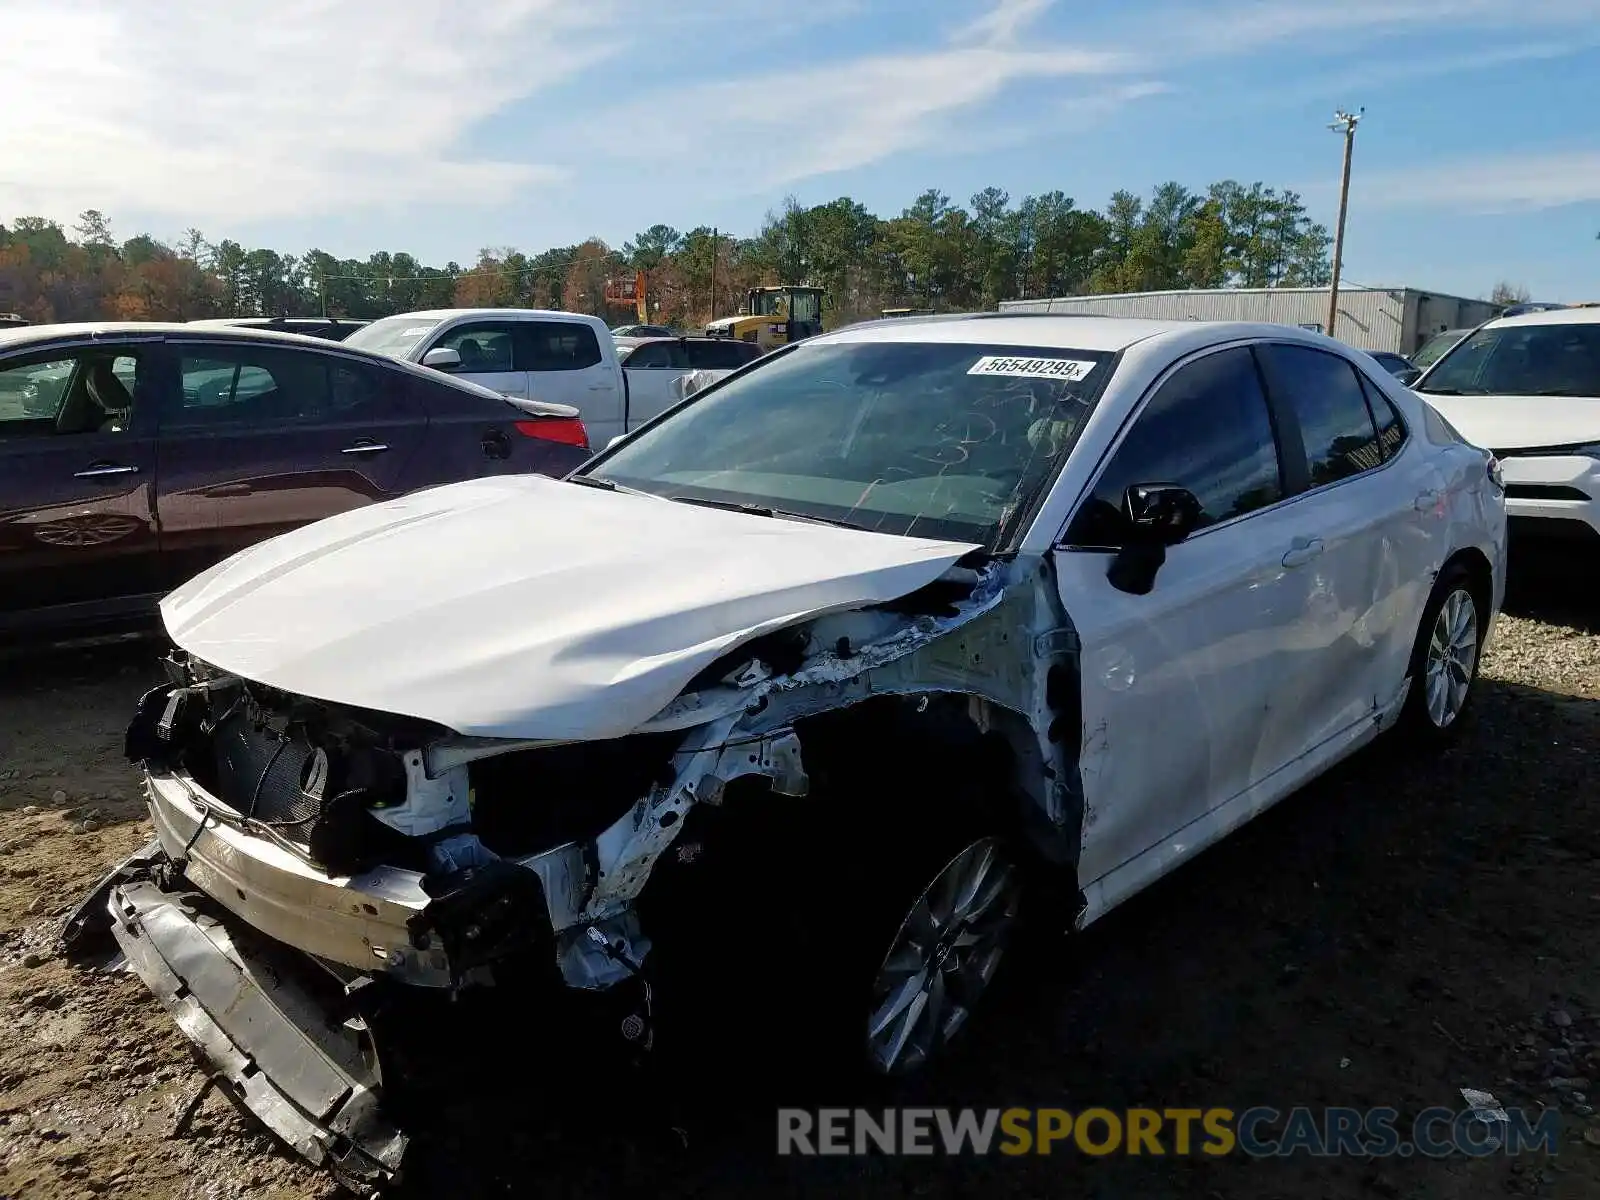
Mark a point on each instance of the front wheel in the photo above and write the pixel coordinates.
(1445, 660)
(942, 957)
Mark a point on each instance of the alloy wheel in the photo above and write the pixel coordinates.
(1452, 658)
(943, 957)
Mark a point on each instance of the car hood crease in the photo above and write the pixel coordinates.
(523, 607)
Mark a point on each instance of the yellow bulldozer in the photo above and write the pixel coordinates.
(773, 316)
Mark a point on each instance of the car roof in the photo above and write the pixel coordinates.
(249, 322)
(508, 314)
(1554, 316)
(80, 330)
(1066, 331)
(25, 337)
(650, 338)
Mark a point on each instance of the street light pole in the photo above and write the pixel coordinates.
(1346, 123)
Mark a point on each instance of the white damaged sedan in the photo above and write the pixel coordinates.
(900, 632)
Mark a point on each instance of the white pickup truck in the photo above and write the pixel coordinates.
(562, 357)
(524, 353)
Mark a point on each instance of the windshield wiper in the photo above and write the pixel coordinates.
(1453, 392)
(754, 510)
(763, 510)
(608, 485)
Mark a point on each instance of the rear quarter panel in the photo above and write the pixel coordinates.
(461, 424)
(1471, 510)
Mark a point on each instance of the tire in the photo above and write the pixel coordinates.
(774, 960)
(1442, 682)
(894, 972)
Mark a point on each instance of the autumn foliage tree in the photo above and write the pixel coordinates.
(935, 253)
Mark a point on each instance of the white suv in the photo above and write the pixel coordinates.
(1528, 388)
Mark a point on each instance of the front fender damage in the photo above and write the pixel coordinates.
(996, 650)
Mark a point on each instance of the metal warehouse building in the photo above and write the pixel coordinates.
(1371, 318)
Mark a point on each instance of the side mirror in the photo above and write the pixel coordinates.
(1409, 376)
(615, 440)
(1158, 515)
(442, 358)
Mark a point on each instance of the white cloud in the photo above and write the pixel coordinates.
(223, 112)
(1007, 19)
(1482, 186)
(861, 110)
(1243, 28)
(233, 110)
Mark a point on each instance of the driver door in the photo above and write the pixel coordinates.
(488, 356)
(1177, 684)
(78, 533)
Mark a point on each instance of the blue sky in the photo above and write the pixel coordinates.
(439, 129)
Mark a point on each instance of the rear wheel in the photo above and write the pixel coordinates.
(1445, 660)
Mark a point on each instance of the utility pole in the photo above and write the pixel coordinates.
(713, 271)
(1346, 123)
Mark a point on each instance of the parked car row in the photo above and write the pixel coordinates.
(898, 632)
(134, 456)
(561, 357)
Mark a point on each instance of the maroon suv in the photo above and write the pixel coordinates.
(134, 456)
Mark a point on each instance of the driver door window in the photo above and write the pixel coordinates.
(1207, 429)
(88, 393)
(484, 349)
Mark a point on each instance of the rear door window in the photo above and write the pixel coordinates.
(262, 386)
(1325, 395)
(556, 346)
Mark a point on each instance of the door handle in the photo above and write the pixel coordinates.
(1303, 551)
(1427, 501)
(365, 448)
(104, 469)
(228, 489)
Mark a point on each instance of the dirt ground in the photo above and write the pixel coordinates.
(1397, 931)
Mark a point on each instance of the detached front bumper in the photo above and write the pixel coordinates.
(261, 1018)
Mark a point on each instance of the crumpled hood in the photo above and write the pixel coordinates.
(522, 606)
(1521, 422)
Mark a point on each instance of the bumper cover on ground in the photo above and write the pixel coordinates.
(271, 1042)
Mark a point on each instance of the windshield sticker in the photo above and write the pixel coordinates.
(415, 331)
(1070, 369)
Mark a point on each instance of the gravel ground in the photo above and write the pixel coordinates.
(1395, 932)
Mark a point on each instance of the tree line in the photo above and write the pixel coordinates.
(936, 254)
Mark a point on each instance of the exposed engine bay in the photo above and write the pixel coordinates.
(391, 850)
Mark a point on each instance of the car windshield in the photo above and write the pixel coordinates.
(1521, 360)
(1433, 349)
(927, 439)
(394, 336)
